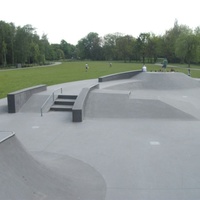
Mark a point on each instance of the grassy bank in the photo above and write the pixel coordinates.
(12, 80)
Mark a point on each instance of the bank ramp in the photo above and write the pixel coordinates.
(148, 95)
(24, 178)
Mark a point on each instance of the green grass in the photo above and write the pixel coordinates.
(13, 80)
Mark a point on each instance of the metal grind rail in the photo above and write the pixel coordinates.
(52, 96)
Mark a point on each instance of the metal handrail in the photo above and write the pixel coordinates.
(52, 95)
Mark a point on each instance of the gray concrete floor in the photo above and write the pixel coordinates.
(140, 140)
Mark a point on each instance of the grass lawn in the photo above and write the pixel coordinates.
(13, 80)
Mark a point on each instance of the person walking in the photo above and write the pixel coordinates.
(165, 62)
(86, 67)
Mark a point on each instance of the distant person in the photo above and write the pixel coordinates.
(189, 72)
(110, 64)
(165, 62)
(86, 67)
(144, 68)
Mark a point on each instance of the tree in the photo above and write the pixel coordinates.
(197, 33)
(4, 42)
(22, 43)
(4, 51)
(170, 38)
(90, 47)
(68, 49)
(151, 48)
(34, 53)
(11, 36)
(124, 46)
(44, 48)
(187, 47)
(94, 45)
(82, 51)
(109, 46)
(142, 42)
(56, 53)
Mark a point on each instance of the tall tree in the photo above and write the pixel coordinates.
(82, 51)
(4, 41)
(170, 38)
(68, 49)
(35, 53)
(151, 48)
(22, 43)
(197, 33)
(90, 47)
(11, 36)
(4, 52)
(109, 46)
(142, 42)
(187, 47)
(124, 47)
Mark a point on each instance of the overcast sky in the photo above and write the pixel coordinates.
(72, 20)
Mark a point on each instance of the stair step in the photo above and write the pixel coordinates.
(61, 108)
(67, 96)
(64, 101)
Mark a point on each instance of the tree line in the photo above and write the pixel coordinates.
(22, 45)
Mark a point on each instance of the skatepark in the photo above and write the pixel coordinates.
(139, 139)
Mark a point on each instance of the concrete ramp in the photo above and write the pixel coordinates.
(24, 178)
(158, 81)
(102, 104)
(34, 103)
(145, 96)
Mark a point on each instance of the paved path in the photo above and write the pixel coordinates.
(139, 140)
(55, 63)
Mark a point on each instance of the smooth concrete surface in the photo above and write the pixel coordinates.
(18, 98)
(78, 110)
(139, 140)
(5, 135)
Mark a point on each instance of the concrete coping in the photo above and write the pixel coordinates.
(4, 135)
(79, 105)
(121, 75)
(18, 98)
(28, 89)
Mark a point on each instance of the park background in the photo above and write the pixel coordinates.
(22, 48)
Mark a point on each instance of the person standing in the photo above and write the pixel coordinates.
(144, 68)
(86, 67)
(165, 62)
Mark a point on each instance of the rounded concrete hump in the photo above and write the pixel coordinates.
(24, 177)
(158, 81)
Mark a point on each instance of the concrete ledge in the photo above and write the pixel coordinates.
(123, 75)
(17, 99)
(79, 105)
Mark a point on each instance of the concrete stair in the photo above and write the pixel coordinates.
(63, 103)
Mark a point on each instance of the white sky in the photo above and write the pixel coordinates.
(72, 20)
